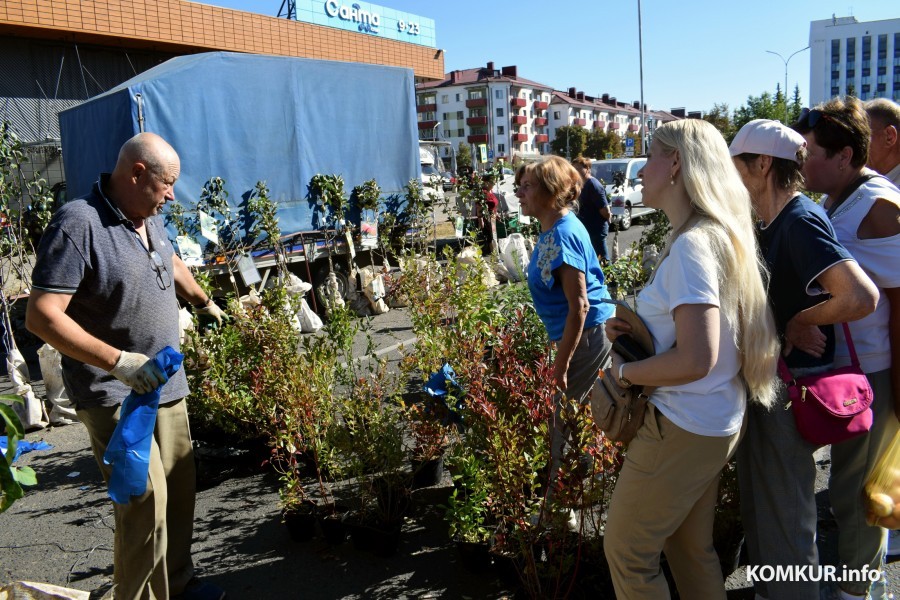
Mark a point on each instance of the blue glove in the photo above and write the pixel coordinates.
(128, 450)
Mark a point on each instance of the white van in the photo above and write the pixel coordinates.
(626, 201)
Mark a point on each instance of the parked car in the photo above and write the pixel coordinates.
(619, 177)
(432, 182)
(448, 180)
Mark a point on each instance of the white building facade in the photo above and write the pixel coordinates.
(847, 56)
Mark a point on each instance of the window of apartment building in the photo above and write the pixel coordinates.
(458, 97)
(501, 148)
(460, 132)
(867, 47)
(555, 114)
(498, 94)
(835, 51)
(476, 94)
(897, 45)
(882, 71)
(882, 87)
(445, 98)
(851, 51)
(835, 91)
(499, 129)
(447, 133)
(882, 46)
(866, 71)
(459, 115)
(499, 112)
(851, 73)
(866, 88)
(446, 116)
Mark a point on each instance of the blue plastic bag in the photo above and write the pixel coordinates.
(22, 447)
(128, 450)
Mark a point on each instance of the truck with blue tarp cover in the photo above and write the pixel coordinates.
(248, 118)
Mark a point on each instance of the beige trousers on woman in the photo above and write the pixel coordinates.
(665, 501)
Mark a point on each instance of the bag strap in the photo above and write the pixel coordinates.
(842, 197)
(785, 373)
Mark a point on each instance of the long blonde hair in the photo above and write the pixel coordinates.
(722, 210)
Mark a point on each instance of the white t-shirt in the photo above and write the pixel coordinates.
(713, 406)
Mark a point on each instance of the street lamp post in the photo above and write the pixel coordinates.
(434, 131)
(786, 61)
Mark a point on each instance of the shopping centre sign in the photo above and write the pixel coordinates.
(369, 19)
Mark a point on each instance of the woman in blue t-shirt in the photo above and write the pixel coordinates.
(564, 276)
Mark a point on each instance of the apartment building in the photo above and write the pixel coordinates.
(852, 57)
(516, 118)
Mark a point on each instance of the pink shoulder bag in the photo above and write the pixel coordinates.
(833, 406)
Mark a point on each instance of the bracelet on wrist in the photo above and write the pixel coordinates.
(203, 304)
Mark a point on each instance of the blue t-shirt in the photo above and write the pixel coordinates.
(566, 242)
(798, 246)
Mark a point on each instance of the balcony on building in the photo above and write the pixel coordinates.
(599, 124)
(540, 121)
(614, 126)
(481, 138)
(520, 137)
(538, 105)
(477, 121)
(476, 102)
(518, 102)
(519, 120)
(579, 122)
(633, 127)
(427, 124)
(426, 108)
(541, 138)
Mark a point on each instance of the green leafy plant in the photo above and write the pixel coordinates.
(12, 478)
(625, 274)
(328, 191)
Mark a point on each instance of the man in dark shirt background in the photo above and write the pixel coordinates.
(593, 209)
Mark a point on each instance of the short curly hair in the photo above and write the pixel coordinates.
(845, 123)
(581, 161)
(557, 177)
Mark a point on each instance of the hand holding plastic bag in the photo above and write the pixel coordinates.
(128, 450)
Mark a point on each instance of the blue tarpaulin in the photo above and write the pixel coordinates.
(128, 450)
(248, 118)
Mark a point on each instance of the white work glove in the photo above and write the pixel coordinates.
(139, 372)
(211, 309)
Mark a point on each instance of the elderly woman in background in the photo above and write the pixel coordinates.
(564, 277)
(864, 210)
(715, 340)
(814, 282)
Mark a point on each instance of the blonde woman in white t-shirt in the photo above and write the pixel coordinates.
(716, 348)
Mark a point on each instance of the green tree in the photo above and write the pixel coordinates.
(600, 142)
(795, 107)
(570, 141)
(463, 155)
(720, 117)
(851, 89)
(764, 106)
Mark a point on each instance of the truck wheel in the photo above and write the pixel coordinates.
(625, 219)
(341, 271)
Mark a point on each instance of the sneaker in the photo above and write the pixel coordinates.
(893, 543)
(200, 590)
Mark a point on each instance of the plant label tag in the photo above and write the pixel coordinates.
(189, 251)
(208, 227)
(247, 269)
(350, 246)
(458, 225)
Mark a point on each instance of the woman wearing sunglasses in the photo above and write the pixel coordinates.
(864, 209)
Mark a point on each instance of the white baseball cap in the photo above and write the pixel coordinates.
(762, 136)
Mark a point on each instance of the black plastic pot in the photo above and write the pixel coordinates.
(300, 522)
(474, 556)
(333, 527)
(427, 473)
(380, 540)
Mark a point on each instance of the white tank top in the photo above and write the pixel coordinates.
(880, 259)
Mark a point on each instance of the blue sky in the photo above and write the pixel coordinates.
(696, 52)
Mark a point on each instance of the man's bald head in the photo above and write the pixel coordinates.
(150, 149)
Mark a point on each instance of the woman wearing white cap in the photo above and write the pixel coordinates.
(814, 282)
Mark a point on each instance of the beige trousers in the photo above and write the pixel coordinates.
(153, 531)
(664, 501)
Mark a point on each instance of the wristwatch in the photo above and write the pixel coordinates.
(623, 382)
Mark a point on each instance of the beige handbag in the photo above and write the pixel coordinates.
(617, 411)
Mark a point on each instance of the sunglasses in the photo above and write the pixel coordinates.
(809, 118)
(163, 279)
